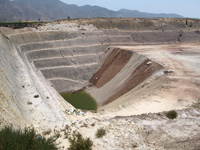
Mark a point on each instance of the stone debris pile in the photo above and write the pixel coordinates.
(67, 27)
(72, 111)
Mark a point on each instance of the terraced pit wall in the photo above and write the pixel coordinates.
(67, 60)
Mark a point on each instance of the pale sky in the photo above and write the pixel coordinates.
(186, 8)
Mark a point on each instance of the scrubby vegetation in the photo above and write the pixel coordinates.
(77, 142)
(100, 133)
(17, 25)
(26, 139)
(172, 114)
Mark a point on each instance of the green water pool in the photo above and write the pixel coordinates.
(80, 100)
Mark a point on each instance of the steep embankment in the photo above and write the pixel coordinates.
(9, 85)
(26, 99)
(113, 63)
(121, 71)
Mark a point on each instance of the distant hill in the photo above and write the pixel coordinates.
(49, 10)
(138, 14)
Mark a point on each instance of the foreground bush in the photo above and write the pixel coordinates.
(77, 142)
(100, 133)
(172, 114)
(27, 139)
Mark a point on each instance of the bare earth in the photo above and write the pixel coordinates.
(163, 92)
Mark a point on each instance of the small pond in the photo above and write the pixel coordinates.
(80, 100)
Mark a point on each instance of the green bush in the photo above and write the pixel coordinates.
(172, 114)
(36, 96)
(77, 142)
(27, 139)
(100, 133)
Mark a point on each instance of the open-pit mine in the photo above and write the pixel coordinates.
(134, 77)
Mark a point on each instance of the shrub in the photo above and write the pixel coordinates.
(77, 142)
(29, 103)
(171, 114)
(36, 96)
(100, 133)
(27, 139)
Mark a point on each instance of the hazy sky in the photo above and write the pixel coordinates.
(186, 8)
